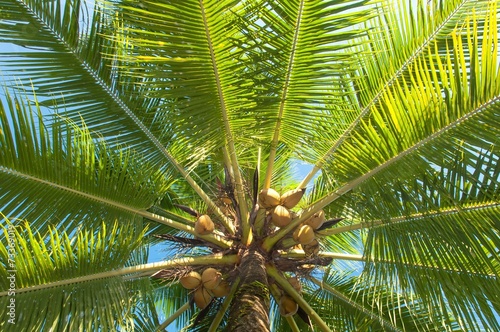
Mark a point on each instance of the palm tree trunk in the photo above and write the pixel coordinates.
(250, 306)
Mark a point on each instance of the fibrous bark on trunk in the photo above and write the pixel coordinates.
(250, 306)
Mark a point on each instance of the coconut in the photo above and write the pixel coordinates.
(202, 297)
(204, 225)
(280, 216)
(211, 278)
(292, 197)
(268, 198)
(191, 280)
(304, 234)
(312, 248)
(222, 289)
(316, 220)
(288, 307)
(294, 281)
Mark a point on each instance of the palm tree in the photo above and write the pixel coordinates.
(131, 125)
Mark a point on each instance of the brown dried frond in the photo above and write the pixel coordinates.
(171, 274)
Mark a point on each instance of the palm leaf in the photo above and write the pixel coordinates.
(89, 78)
(396, 42)
(64, 159)
(65, 163)
(80, 272)
(381, 143)
(56, 256)
(289, 34)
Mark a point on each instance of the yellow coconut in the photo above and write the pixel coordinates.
(268, 198)
(288, 307)
(295, 282)
(191, 280)
(280, 216)
(202, 297)
(290, 198)
(204, 225)
(222, 289)
(316, 220)
(211, 278)
(304, 234)
(312, 248)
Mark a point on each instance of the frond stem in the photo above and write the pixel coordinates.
(410, 218)
(276, 293)
(296, 253)
(174, 316)
(360, 258)
(288, 288)
(277, 129)
(240, 194)
(141, 269)
(227, 301)
(293, 325)
(213, 238)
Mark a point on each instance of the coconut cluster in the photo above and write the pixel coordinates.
(206, 286)
(279, 207)
(305, 233)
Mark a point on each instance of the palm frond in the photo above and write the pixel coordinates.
(79, 176)
(56, 32)
(348, 301)
(58, 256)
(169, 298)
(412, 34)
(457, 171)
(462, 253)
(113, 103)
(306, 46)
(384, 140)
